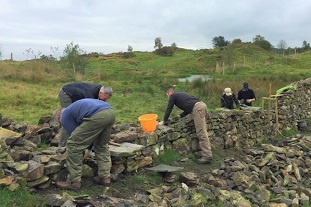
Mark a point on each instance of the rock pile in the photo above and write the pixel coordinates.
(273, 175)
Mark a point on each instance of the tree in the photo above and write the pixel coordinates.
(165, 51)
(72, 56)
(157, 43)
(55, 52)
(258, 38)
(305, 45)
(282, 46)
(31, 52)
(129, 48)
(129, 52)
(236, 41)
(219, 42)
(261, 42)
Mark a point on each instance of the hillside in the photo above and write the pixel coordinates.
(30, 88)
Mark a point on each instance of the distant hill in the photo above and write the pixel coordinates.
(139, 79)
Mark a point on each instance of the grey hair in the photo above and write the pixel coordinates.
(56, 116)
(171, 90)
(107, 90)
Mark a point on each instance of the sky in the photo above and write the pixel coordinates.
(29, 28)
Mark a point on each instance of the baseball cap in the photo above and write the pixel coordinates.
(245, 85)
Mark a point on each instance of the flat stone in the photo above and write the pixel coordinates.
(165, 168)
(5, 133)
(125, 149)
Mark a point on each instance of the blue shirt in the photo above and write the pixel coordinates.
(73, 115)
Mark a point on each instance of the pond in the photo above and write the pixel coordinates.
(195, 77)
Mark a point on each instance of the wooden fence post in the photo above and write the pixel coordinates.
(98, 68)
(74, 70)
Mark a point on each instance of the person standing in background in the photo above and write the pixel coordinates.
(228, 98)
(246, 95)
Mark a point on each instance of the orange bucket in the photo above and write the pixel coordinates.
(148, 122)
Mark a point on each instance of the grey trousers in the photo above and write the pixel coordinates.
(199, 113)
(96, 130)
(65, 101)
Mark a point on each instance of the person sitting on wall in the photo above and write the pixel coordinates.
(246, 95)
(228, 98)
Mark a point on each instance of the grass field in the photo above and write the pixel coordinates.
(29, 89)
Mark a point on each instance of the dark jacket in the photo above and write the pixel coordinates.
(227, 101)
(81, 90)
(243, 95)
(183, 101)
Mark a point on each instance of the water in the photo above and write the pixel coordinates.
(195, 77)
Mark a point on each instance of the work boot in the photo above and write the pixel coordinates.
(102, 181)
(205, 160)
(75, 186)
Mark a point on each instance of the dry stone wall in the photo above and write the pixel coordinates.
(247, 127)
(22, 164)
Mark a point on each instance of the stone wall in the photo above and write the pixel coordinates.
(249, 126)
(21, 163)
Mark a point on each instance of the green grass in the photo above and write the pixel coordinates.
(142, 182)
(30, 88)
(289, 133)
(20, 197)
(168, 157)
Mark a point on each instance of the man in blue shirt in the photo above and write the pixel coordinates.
(87, 121)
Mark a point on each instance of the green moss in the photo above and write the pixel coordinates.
(167, 157)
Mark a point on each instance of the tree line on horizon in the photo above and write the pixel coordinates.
(72, 53)
(260, 41)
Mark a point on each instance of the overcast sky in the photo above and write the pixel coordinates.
(111, 26)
